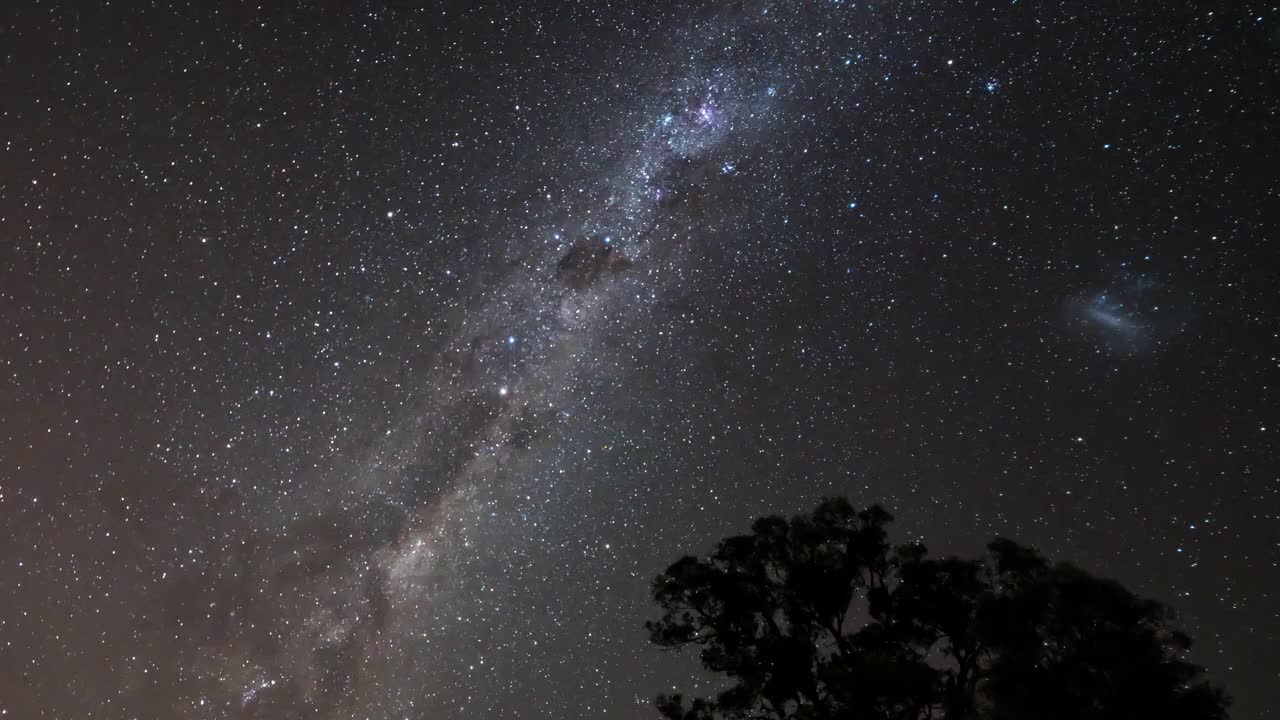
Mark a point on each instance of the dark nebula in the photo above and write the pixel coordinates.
(588, 262)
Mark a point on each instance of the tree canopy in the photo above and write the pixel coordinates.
(819, 618)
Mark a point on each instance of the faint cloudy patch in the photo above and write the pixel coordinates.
(1133, 313)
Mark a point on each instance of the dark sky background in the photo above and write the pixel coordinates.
(367, 360)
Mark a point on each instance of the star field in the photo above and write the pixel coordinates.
(367, 360)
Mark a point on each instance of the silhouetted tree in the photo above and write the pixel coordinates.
(817, 618)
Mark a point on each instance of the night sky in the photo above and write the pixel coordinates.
(362, 360)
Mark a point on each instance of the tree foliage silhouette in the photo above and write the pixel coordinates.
(818, 618)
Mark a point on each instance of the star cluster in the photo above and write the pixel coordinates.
(367, 360)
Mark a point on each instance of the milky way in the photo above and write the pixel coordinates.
(369, 361)
(483, 433)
